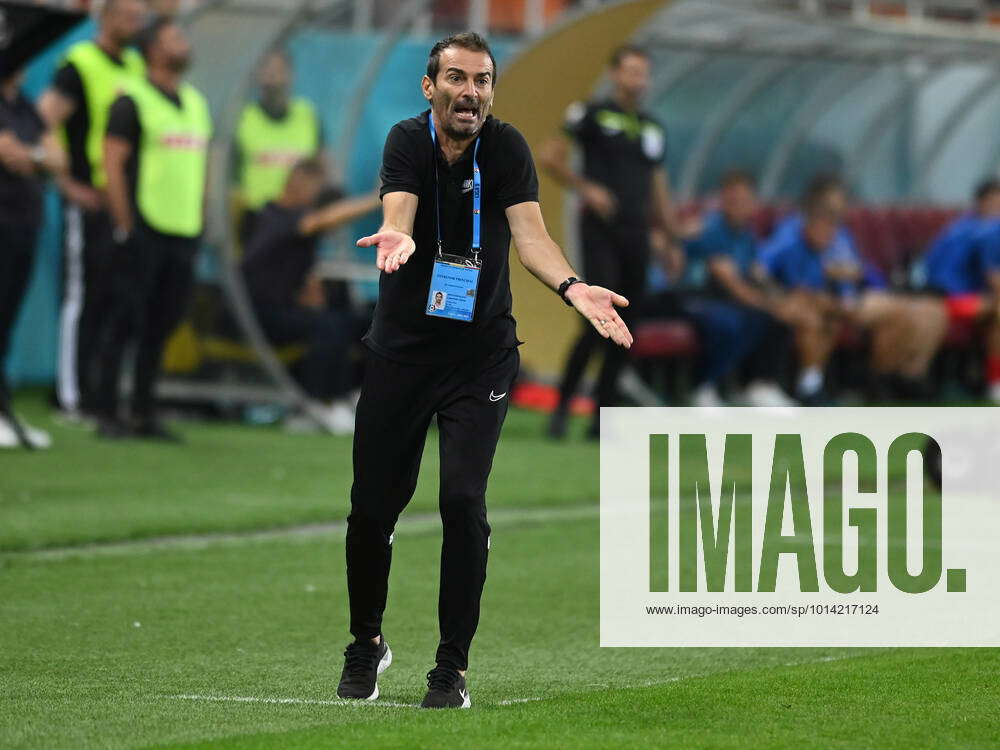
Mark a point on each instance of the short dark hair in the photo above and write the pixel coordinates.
(147, 37)
(817, 190)
(469, 40)
(627, 50)
(986, 188)
(733, 177)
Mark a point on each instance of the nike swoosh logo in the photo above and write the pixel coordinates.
(494, 397)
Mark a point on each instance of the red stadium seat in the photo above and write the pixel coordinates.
(664, 338)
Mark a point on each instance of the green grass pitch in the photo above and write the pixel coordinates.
(193, 596)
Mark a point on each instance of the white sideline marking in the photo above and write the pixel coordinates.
(680, 678)
(505, 702)
(287, 701)
(317, 701)
(415, 524)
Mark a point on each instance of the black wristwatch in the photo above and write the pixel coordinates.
(566, 285)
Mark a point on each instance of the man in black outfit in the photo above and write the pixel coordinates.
(437, 169)
(290, 303)
(27, 152)
(88, 80)
(623, 189)
(155, 155)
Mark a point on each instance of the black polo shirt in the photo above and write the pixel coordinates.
(401, 329)
(20, 196)
(620, 151)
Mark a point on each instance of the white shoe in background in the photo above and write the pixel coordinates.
(39, 439)
(338, 418)
(761, 393)
(300, 424)
(706, 395)
(8, 438)
(994, 393)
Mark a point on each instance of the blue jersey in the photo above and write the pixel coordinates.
(785, 259)
(960, 255)
(721, 239)
(790, 261)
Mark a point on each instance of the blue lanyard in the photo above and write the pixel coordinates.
(477, 188)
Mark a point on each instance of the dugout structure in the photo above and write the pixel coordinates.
(904, 111)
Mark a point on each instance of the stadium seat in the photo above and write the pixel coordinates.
(659, 339)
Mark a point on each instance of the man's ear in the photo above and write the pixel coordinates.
(427, 86)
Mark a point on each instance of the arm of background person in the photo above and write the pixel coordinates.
(725, 271)
(338, 213)
(553, 155)
(55, 109)
(664, 211)
(116, 154)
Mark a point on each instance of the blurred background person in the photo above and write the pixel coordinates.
(737, 320)
(27, 152)
(623, 188)
(167, 8)
(273, 134)
(961, 265)
(991, 268)
(826, 283)
(77, 103)
(156, 154)
(290, 301)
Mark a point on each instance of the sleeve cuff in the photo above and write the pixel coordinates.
(513, 200)
(398, 187)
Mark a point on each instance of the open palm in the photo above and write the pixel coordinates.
(597, 305)
(393, 248)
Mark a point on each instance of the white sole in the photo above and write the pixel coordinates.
(383, 665)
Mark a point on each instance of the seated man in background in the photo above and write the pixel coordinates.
(824, 283)
(289, 301)
(735, 318)
(962, 265)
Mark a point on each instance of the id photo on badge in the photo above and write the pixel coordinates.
(451, 293)
(438, 301)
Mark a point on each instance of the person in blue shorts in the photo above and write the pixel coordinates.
(821, 282)
(734, 317)
(962, 265)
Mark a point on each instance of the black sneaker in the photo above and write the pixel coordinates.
(112, 428)
(446, 689)
(363, 663)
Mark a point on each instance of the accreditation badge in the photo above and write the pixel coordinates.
(454, 283)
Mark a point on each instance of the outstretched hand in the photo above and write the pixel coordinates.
(597, 305)
(393, 248)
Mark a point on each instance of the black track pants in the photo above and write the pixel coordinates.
(397, 404)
